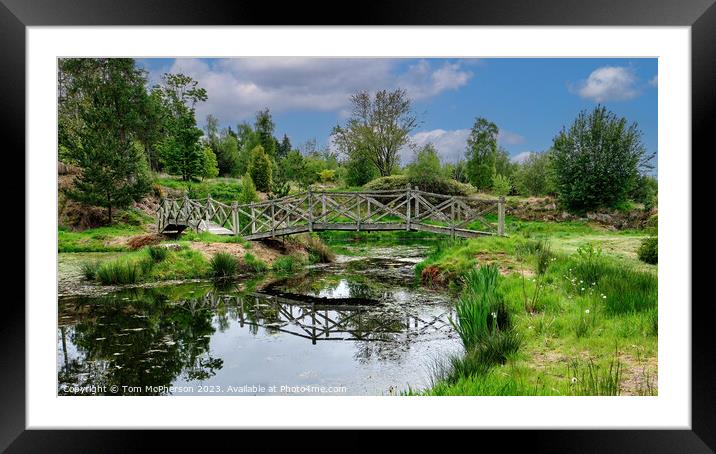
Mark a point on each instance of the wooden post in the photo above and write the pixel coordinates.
(323, 209)
(235, 217)
(273, 218)
(417, 206)
(253, 219)
(452, 218)
(501, 216)
(310, 210)
(207, 214)
(407, 208)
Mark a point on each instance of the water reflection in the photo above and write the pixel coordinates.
(201, 334)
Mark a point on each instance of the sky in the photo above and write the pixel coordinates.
(529, 99)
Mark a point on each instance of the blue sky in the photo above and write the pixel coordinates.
(530, 100)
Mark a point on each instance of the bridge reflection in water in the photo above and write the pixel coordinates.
(325, 319)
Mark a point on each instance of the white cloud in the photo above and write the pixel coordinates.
(505, 137)
(238, 87)
(450, 145)
(608, 83)
(521, 157)
(654, 81)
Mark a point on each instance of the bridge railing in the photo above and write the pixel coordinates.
(409, 209)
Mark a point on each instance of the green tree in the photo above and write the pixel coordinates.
(227, 154)
(378, 128)
(597, 160)
(503, 164)
(481, 153)
(425, 171)
(104, 144)
(359, 170)
(501, 185)
(181, 151)
(211, 168)
(264, 127)
(284, 148)
(260, 169)
(534, 175)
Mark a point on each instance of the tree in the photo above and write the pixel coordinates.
(264, 127)
(425, 171)
(104, 143)
(597, 160)
(260, 169)
(534, 175)
(378, 128)
(181, 151)
(284, 148)
(481, 153)
(360, 170)
(211, 168)
(227, 154)
(503, 164)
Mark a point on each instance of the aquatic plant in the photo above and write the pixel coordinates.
(89, 269)
(287, 264)
(119, 272)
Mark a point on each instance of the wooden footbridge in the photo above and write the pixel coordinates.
(409, 209)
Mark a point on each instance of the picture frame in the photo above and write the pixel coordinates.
(16, 15)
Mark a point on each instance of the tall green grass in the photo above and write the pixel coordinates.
(119, 272)
(223, 265)
(253, 264)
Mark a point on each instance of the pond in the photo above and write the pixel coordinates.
(359, 326)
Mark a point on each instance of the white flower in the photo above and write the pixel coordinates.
(582, 288)
(587, 311)
(574, 379)
(494, 315)
(604, 296)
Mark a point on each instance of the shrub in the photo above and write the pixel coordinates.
(223, 265)
(645, 191)
(253, 264)
(501, 185)
(210, 168)
(445, 186)
(425, 171)
(649, 250)
(327, 175)
(119, 272)
(610, 149)
(360, 170)
(157, 253)
(534, 175)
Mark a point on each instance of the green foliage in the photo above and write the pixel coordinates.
(318, 251)
(359, 170)
(157, 253)
(223, 265)
(327, 175)
(253, 264)
(118, 272)
(501, 185)
(645, 191)
(504, 165)
(89, 269)
(260, 169)
(596, 161)
(393, 182)
(481, 153)
(264, 127)
(534, 175)
(287, 264)
(104, 141)
(425, 171)
(211, 168)
(649, 250)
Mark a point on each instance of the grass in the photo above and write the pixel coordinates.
(591, 300)
(157, 253)
(95, 240)
(287, 264)
(223, 265)
(119, 272)
(206, 237)
(224, 190)
(253, 264)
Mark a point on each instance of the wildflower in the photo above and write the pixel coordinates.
(494, 315)
(574, 380)
(582, 288)
(587, 311)
(604, 297)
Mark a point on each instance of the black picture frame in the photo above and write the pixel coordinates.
(700, 15)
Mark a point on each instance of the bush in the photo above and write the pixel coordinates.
(157, 253)
(425, 171)
(223, 265)
(596, 161)
(645, 191)
(318, 251)
(649, 250)
(327, 175)
(534, 175)
(501, 185)
(253, 264)
(395, 182)
(360, 170)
